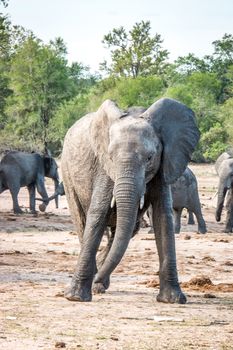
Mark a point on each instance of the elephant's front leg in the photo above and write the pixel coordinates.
(99, 288)
(80, 289)
(229, 209)
(170, 291)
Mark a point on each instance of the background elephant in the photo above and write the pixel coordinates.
(114, 165)
(185, 195)
(19, 169)
(224, 169)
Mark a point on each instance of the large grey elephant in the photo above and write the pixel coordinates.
(224, 169)
(114, 165)
(19, 169)
(185, 195)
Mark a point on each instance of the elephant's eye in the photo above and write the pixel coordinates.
(149, 158)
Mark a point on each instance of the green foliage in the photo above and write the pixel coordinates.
(41, 81)
(180, 93)
(66, 115)
(226, 114)
(127, 92)
(135, 53)
(41, 95)
(5, 90)
(214, 142)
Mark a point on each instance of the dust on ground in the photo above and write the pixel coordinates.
(38, 254)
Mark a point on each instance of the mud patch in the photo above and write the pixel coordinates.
(199, 283)
(204, 283)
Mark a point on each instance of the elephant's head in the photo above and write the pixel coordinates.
(224, 168)
(132, 148)
(51, 171)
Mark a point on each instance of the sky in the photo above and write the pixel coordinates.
(186, 26)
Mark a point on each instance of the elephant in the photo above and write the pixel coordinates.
(185, 195)
(224, 169)
(114, 165)
(19, 169)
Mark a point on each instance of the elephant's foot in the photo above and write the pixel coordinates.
(218, 216)
(98, 288)
(78, 292)
(171, 295)
(101, 286)
(228, 229)
(33, 212)
(202, 230)
(191, 221)
(18, 211)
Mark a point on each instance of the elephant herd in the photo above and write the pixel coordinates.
(116, 166)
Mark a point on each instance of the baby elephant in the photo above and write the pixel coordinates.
(185, 195)
(20, 169)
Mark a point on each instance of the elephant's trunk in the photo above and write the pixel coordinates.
(222, 190)
(127, 198)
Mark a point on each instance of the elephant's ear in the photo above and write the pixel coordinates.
(176, 127)
(47, 163)
(106, 115)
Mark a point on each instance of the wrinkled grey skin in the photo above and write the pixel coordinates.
(109, 153)
(185, 195)
(224, 169)
(19, 169)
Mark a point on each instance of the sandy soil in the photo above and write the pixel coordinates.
(37, 258)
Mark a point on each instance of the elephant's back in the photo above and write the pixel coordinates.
(76, 167)
(219, 162)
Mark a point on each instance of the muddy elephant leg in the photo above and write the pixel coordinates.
(99, 288)
(32, 198)
(229, 209)
(170, 291)
(96, 222)
(191, 220)
(177, 219)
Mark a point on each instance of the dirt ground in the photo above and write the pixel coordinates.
(38, 255)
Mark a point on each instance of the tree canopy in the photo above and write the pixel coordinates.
(42, 94)
(135, 53)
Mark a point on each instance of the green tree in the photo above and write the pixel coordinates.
(226, 114)
(127, 92)
(65, 116)
(5, 91)
(40, 80)
(136, 53)
(189, 64)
